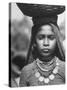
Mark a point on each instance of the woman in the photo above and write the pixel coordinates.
(46, 54)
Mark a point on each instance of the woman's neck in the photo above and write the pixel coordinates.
(46, 60)
(48, 66)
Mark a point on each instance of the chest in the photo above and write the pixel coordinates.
(34, 81)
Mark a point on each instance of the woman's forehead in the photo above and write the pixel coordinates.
(46, 29)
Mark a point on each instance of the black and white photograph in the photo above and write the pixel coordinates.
(37, 44)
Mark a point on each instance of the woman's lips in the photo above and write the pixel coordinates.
(45, 50)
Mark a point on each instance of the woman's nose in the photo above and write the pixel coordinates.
(46, 42)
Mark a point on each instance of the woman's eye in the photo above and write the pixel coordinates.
(40, 37)
(51, 37)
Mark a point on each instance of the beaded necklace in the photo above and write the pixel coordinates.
(41, 78)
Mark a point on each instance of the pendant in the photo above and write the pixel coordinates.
(51, 77)
(41, 79)
(37, 74)
(46, 80)
(55, 71)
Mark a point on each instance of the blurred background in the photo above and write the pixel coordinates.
(20, 32)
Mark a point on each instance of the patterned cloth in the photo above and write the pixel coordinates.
(28, 75)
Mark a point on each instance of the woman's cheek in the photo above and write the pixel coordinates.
(39, 44)
(52, 44)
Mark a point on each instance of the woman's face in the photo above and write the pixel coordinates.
(45, 41)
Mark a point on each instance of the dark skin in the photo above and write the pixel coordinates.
(45, 42)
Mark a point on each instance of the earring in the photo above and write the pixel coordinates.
(34, 45)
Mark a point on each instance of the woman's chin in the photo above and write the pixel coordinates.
(45, 54)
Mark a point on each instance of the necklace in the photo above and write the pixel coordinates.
(47, 67)
(46, 80)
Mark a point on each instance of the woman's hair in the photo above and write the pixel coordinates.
(59, 49)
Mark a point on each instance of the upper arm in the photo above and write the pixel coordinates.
(23, 78)
(25, 75)
(62, 70)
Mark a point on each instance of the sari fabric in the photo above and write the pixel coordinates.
(28, 75)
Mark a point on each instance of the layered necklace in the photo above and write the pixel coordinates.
(46, 69)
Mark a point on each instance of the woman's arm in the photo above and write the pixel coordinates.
(23, 78)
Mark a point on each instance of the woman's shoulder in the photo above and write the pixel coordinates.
(28, 69)
(61, 63)
(29, 66)
(61, 68)
(26, 73)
